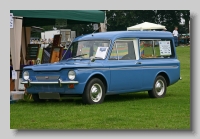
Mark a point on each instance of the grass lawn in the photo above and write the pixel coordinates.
(127, 111)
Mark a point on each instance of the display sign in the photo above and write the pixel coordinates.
(51, 55)
(46, 55)
(56, 54)
(32, 51)
(95, 26)
(101, 52)
(14, 74)
(165, 48)
(57, 40)
(11, 20)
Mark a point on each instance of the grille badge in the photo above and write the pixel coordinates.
(46, 77)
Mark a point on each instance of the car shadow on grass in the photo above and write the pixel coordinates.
(127, 97)
(78, 100)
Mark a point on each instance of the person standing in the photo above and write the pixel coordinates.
(175, 34)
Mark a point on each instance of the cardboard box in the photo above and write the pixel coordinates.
(17, 95)
(21, 86)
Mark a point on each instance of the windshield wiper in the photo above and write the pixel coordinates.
(76, 56)
(98, 57)
(79, 55)
(92, 58)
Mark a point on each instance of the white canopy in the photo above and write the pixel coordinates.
(146, 26)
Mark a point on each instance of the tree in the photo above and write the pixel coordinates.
(121, 19)
(168, 18)
(185, 14)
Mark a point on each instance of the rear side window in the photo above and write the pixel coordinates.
(123, 50)
(156, 48)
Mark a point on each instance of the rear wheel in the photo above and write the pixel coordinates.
(94, 92)
(159, 88)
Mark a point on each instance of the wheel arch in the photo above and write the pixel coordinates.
(99, 76)
(164, 74)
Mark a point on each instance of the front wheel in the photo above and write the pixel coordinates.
(94, 92)
(159, 88)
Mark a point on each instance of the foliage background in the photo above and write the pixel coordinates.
(121, 19)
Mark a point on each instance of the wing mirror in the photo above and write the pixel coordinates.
(92, 59)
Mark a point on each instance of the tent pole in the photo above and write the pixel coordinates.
(25, 40)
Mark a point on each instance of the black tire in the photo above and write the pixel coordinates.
(36, 98)
(159, 88)
(94, 92)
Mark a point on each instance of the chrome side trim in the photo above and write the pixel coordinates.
(160, 66)
(131, 67)
(83, 69)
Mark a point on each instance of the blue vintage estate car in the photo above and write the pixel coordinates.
(107, 63)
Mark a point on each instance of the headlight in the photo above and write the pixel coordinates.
(71, 75)
(26, 75)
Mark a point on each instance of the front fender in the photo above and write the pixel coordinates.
(98, 74)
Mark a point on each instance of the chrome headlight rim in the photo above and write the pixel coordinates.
(26, 75)
(71, 74)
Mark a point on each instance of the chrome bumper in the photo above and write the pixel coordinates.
(60, 82)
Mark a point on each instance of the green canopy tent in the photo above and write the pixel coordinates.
(24, 19)
(48, 17)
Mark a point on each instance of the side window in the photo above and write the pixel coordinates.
(146, 49)
(123, 49)
(156, 48)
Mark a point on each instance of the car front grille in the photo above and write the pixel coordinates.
(47, 78)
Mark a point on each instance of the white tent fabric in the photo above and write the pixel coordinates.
(27, 31)
(146, 26)
(15, 47)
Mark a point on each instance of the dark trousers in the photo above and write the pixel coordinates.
(176, 41)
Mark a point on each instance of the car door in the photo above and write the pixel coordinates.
(125, 70)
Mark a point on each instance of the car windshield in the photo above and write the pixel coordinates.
(87, 49)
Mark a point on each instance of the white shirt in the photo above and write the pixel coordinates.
(175, 33)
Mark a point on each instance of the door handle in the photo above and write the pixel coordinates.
(138, 63)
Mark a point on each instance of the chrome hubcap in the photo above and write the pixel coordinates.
(159, 87)
(96, 92)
